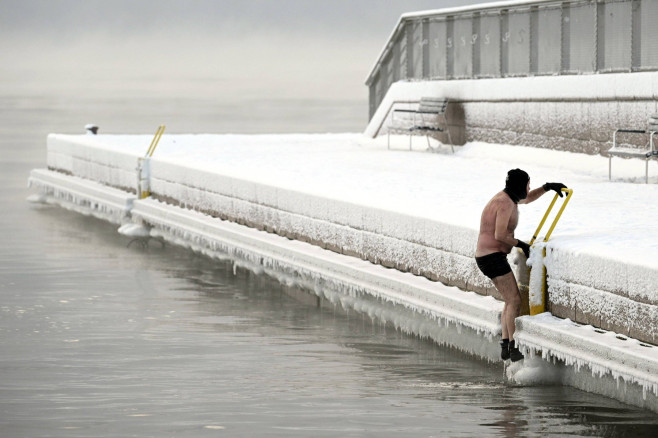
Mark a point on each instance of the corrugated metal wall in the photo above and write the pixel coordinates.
(488, 47)
(541, 38)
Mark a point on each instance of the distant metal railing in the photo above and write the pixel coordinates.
(540, 37)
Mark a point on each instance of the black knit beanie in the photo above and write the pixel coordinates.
(516, 184)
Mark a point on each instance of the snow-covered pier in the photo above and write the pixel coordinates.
(334, 213)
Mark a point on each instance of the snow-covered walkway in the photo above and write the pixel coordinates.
(611, 219)
(353, 195)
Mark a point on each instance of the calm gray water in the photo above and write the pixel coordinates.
(99, 339)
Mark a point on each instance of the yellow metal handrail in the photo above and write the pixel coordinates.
(541, 308)
(143, 166)
(568, 192)
(155, 141)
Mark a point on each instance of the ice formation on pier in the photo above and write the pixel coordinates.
(350, 191)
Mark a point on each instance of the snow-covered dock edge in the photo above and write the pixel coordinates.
(595, 361)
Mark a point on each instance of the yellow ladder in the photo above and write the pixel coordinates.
(540, 308)
(155, 141)
(144, 168)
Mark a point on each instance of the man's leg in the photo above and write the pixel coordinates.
(504, 342)
(506, 285)
(503, 322)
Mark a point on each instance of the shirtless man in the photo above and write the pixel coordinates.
(496, 240)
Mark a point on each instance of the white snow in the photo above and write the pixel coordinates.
(608, 356)
(611, 220)
(134, 230)
(535, 283)
(610, 88)
(605, 238)
(81, 195)
(350, 188)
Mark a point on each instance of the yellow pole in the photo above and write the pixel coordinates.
(569, 192)
(541, 224)
(541, 308)
(148, 151)
(143, 167)
(154, 142)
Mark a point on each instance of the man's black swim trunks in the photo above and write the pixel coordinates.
(493, 265)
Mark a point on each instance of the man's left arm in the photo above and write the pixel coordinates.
(535, 194)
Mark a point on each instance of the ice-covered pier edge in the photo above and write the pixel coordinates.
(307, 218)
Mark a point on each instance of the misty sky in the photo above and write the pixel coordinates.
(279, 48)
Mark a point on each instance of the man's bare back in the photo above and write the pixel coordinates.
(500, 213)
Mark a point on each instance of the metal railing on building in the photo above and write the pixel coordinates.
(540, 37)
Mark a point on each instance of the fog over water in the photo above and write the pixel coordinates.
(225, 49)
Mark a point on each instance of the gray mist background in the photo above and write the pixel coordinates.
(228, 51)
